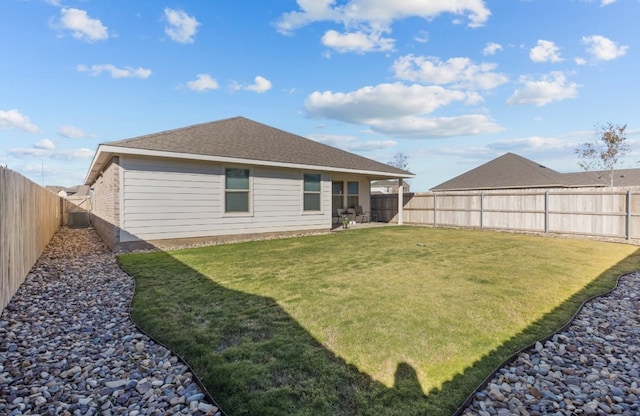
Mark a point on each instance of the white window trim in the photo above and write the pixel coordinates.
(302, 193)
(223, 187)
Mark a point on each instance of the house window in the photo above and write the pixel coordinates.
(236, 194)
(337, 195)
(312, 185)
(352, 194)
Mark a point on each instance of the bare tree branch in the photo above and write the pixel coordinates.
(604, 152)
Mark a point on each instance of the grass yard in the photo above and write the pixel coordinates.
(380, 321)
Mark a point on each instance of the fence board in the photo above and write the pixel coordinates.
(599, 212)
(29, 216)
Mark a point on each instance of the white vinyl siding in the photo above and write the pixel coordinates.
(173, 198)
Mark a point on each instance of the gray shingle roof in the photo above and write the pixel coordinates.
(621, 177)
(511, 171)
(507, 171)
(242, 138)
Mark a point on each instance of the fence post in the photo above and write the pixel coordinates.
(435, 209)
(546, 212)
(628, 225)
(400, 202)
(481, 209)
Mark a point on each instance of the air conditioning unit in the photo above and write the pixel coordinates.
(77, 219)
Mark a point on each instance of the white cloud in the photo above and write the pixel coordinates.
(81, 25)
(550, 87)
(45, 148)
(13, 119)
(530, 144)
(126, 72)
(603, 49)
(545, 51)
(44, 144)
(458, 72)
(398, 110)
(372, 12)
(436, 127)
(260, 85)
(73, 154)
(41, 149)
(31, 151)
(181, 27)
(203, 83)
(387, 101)
(351, 143)
(602, 2)
(421, 37)
(491, 48)
(359, 42)
(72, 132)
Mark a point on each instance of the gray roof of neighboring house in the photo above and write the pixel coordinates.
(243, 139)
(511, 171)
(76, 190)
(507, 171)
(389, 183)
(385, 182)
(621, 177)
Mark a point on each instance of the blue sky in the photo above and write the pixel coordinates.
(449, 83)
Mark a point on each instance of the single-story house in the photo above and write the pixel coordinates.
(512, 171)
(232, 177)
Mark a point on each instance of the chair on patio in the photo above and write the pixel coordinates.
(362, 214)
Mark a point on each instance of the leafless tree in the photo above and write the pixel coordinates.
(400, 161)
(604, 152)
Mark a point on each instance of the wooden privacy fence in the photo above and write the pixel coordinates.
(598, 212)
(29, 216)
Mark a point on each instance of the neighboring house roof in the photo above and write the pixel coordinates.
(385, 182)
(388, 186)
(511, 171)
(621, 177)
(240, 140)
(76, 190)
(507, 171)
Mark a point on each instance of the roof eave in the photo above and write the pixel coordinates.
(106, 152)
(97, 165)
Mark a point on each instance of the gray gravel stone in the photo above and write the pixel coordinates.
(591, 368)
(68, 347)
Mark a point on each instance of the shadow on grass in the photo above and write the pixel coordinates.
(257, 360)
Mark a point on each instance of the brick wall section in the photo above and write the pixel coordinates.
(105, 210)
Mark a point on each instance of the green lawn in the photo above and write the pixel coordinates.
(380, 321)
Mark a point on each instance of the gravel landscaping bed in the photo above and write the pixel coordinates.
(68, 346)
(590, 368)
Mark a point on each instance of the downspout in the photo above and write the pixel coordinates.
(400, 201)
